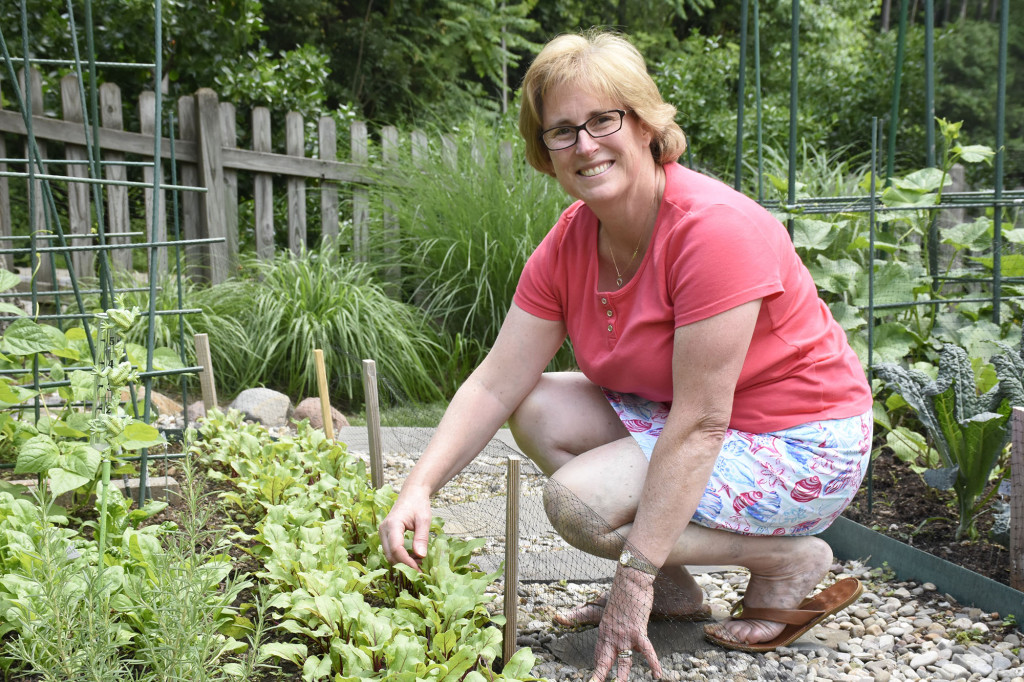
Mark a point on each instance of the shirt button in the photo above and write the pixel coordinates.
(604, 301)
(609, 313)
(609, 327)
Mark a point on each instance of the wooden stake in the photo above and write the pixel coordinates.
(1017, 498)
(325, 398)
(373, 423)
(206, 382)
(511, 605)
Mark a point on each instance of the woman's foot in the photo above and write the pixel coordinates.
(784, 588)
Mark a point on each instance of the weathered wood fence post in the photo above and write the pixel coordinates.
(211, 176)
(149, 126)
(263, 188)
(360, 195)
(230, 140)
(328, 144)
(43, 265)
(111, 117)
(295, 146)
(79, 217)
(195, 255)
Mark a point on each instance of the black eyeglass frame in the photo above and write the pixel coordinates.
(582, 126)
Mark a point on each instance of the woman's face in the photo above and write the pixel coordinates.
(596, 169)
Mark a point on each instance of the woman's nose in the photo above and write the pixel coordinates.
(585, 143)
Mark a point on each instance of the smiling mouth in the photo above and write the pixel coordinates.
(596, 170)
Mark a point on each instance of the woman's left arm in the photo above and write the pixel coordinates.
(706, 361)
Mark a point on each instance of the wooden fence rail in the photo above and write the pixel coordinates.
(209, 160)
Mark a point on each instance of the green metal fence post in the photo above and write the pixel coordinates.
(740, 92)
(897, 77)
(997, 209)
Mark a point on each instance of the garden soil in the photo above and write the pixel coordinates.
(905, 508)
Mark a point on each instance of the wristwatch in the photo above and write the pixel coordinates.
(630, 560)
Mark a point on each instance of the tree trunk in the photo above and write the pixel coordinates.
(886, 10)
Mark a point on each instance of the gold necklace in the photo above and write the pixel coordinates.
(611, 251)
(618, 273)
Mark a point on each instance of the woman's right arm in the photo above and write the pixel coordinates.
(513, 366)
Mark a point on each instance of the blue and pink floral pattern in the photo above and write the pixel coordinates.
(795, 481)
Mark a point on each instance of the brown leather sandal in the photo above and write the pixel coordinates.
(809, 613)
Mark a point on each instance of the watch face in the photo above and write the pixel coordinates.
(625, 557)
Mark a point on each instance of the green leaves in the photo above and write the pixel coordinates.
(315, 515)
(967, 427)
(25, 337)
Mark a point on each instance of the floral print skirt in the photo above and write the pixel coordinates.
(796, 481)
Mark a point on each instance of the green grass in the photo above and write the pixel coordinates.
(409, 414)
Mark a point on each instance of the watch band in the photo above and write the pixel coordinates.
(631, 560)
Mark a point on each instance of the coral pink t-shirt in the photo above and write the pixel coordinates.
(711, 250)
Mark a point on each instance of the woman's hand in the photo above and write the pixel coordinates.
(624, 626)
(410, 512)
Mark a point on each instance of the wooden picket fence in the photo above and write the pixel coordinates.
(209, 160)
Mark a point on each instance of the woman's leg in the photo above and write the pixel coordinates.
(591, 502)
(567, 427)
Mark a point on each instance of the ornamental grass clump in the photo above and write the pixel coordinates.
(469, 221)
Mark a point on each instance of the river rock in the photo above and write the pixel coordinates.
(263, 405)
(310, 409)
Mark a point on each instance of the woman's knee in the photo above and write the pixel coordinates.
(564, 415)
(577, 523)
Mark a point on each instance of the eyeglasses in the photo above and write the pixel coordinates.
(598, 125)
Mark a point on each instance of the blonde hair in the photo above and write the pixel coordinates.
(605, 63)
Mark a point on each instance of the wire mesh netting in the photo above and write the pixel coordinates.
(560, 589)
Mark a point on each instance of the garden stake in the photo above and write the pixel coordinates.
(373, 423)
(206, 382)
(103, 508)
(1017, 498)
(325, 397)
(511, 603)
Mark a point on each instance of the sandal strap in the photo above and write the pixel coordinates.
(788, 616)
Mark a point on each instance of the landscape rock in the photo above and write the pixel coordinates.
(309, 408)
(196, 411)
(263, 405)
(159, 402)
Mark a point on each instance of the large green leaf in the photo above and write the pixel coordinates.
(293, 652)
(814, 235)
(139, 435)
(974, 153)
(11, 309)
(1010, 264)
(974, 235)
(81, 458)
(12, 394)
(83, 383)
(521, 664)
(923, 180)
(984, 437)
(25, 337)
(404, 653)
(835, 276)
(8, 280)
(64, 481)
(37, 456)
